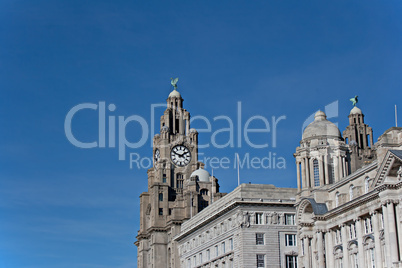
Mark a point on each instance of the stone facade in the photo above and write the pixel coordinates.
(349, 212)
(253, 226)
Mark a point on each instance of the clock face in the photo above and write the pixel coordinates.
(180, 155)
(157, 155)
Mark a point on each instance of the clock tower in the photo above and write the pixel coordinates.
(178, 187)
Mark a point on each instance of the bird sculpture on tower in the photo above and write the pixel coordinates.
(174, 82)
(354, 100)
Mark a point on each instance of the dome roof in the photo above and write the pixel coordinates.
(321, 127)
(356, 110)
(174, 94)
(202, 174)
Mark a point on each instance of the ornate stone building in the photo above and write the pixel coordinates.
(178, 187)
(253, 226)
(349, 191)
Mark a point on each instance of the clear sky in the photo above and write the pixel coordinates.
(64, 206)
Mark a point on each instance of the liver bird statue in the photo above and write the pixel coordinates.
(174, 82)
(354, 100)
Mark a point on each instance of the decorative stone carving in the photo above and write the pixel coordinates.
(243, 219)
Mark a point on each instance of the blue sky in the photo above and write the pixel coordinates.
(63, 206)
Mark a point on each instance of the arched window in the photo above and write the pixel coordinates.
(366, 184)
(204, 192)
(337, 199)
(316, 173)
(351, 192)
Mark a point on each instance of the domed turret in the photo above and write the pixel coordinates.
(321, 127)
(356, 110)
(202, 175)
(174, 94)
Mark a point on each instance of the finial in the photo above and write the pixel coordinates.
(354, 100)
(174, 82)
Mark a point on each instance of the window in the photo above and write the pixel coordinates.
(366, 184)
(179, 181)
(204, 192)
(290, 240)
(289, 219)
(352, 231)
(164, 178)
(259, 239)
(189, 263)
(351, 192)
(316, 173)
(160, 196)
(160, 211)
(195, 260)
(368, 228)
(231, 243)
(216, 251)
(332, 172)
(260, 260)
(258, 218)
(223, 248)
(208, 255)
(337, 199)
(200, 257)
(291, 261)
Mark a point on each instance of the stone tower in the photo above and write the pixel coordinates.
(178, 187)
(322, 157)
(359, 136)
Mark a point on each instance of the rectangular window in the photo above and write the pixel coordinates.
(259, 239)
(216, 251)
(289, 219)
(367, 226)
(260, 260)
(291, 261)
(188, 263)
(316, 173)
(352, 231)
(258, 218)
(200, 257)
(160, 211)
(290, 240)
(223, 248)
(208, 255)
(195, 260)
(231, 243)
(164, 178)
(160, 196)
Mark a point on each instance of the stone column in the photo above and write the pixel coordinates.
(306, 256)
(303, 169)
(359, 235)
(345, 168)
(298, 175)
(320, 248)
(377, 242)
(336, 169)
(340, 164)
(326, 169)
(321, 170)
(345, 252)
(393, 240)
(386, 235)
(313, 248)
(307, 173)
(329, 248)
